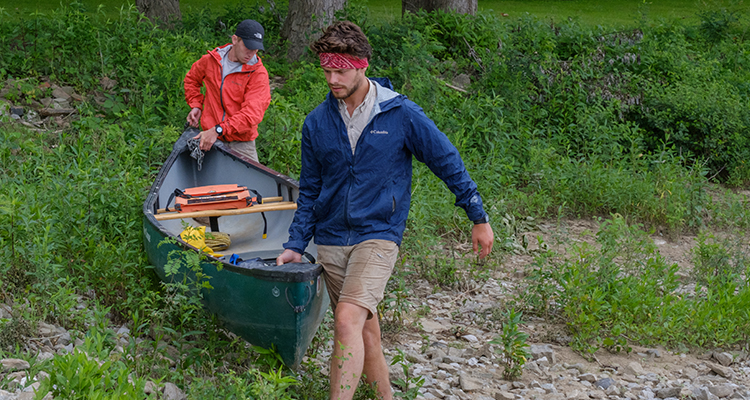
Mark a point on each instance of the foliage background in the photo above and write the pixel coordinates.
(649, 122)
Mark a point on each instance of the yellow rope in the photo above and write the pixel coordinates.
(218, 241)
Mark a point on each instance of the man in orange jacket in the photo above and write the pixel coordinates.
(237, 92)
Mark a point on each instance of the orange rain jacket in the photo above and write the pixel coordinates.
(238, 103)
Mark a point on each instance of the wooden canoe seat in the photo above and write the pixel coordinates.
(269, 204)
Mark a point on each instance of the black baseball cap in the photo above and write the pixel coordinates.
(251, 33)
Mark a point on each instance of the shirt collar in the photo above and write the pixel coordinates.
(369, 97)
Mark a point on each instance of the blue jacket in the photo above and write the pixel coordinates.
(346, 199)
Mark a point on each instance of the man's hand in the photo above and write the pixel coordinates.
(194, 117)
(207, 138)
(288, 256)
(482, 235)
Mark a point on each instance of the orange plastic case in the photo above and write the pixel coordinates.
(213, 197)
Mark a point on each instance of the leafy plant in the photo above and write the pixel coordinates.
(271, 385)
(81, 376)
(14, 332)
(409, 384)
(268, 358)
(719, 261)
(442, 271)
(395, 305)
(715, 24)
(514, 352)
(542, 291)
(184, 294)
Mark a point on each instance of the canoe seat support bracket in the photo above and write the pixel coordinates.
(299, 309)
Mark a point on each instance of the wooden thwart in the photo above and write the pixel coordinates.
(256, 208)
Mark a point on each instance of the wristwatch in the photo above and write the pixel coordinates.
(219, 130)
(483, 220)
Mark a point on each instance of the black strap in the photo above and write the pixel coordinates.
(257, 195)
(177, 192)
(309, 257)
(265, 225)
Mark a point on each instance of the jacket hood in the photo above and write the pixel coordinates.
(385, 95)
(220, 52)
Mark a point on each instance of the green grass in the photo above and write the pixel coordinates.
(593, 12)
(109, 8)
(590, 12)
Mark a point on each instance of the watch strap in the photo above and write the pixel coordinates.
(485, 219)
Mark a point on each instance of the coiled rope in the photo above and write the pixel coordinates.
(218, 241)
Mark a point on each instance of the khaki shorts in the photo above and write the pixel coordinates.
(358, 274)
(247, 149)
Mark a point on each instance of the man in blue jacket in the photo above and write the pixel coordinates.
(355, 190)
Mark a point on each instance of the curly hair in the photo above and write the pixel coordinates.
(343, 37)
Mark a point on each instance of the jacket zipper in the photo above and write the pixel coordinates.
(348, 196)
(348, 191)
(221, 96)
(351, 178)
(351, 169)
(221, 91)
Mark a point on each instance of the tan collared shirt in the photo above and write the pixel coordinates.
(360, 117)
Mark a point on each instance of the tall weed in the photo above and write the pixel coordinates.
(721, 261)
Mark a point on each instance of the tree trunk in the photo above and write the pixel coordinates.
(160, 12)
(305, 22)
(459, 6)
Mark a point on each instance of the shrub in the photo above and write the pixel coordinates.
(705, 120)
(720, 261)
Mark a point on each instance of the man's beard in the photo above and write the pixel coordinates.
(348, 93)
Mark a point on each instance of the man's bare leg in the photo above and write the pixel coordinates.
(348, 350)
(375, 368)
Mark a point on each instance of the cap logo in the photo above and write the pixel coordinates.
(258, 35)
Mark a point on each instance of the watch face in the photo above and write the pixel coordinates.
(219, 129)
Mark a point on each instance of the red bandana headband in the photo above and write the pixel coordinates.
(342, 61)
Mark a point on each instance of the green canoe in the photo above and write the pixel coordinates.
(265, 304)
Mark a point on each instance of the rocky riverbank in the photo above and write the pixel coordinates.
(446, 338)
(468, 366)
